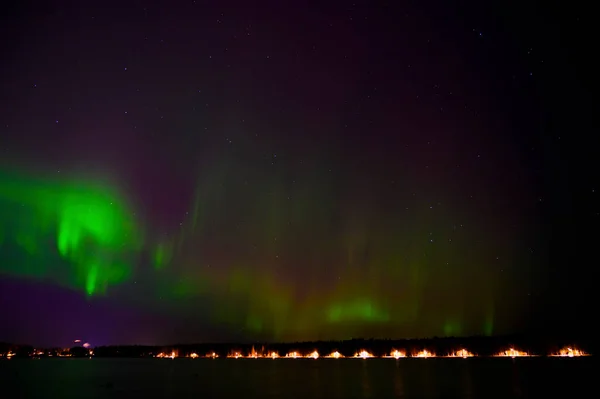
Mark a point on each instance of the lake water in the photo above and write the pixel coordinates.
(297, 378)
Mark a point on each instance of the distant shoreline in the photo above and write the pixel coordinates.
(510, 346)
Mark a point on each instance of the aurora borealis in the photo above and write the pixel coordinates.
(87, 226)
(220, 173)
(82, 235)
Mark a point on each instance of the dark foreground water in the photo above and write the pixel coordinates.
(297, 378)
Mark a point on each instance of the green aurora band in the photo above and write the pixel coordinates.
(88, 225)
(83, 235)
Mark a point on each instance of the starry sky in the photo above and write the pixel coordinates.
(192, 171)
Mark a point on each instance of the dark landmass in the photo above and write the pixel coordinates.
(480, 346)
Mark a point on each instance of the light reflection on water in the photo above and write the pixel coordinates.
(366, 383)
(302, 378)
(467, 378)
(516, 379)
(398, 381)
(316, 380)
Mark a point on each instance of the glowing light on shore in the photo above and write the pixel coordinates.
(254, 354)
(363, 354)
(424, 354)
(569, 352)
(396, 354)
(162, 355)
(512, 352)
(461, 353)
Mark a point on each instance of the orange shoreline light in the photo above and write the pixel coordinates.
(512, 352)
(569, 352)
(461, 353)
(396, 354)
(363, 354)
(162, 355)
(254, 354)
(424, 354)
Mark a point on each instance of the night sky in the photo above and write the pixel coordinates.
(188, 171)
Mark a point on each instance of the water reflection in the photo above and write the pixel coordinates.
(467, 378)
(316, 380)
(398, 380)
(338, 388)
(275, 383)
(366, 380)
(250, 379)
(169, 386)
(427, 380)
(516, 380)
